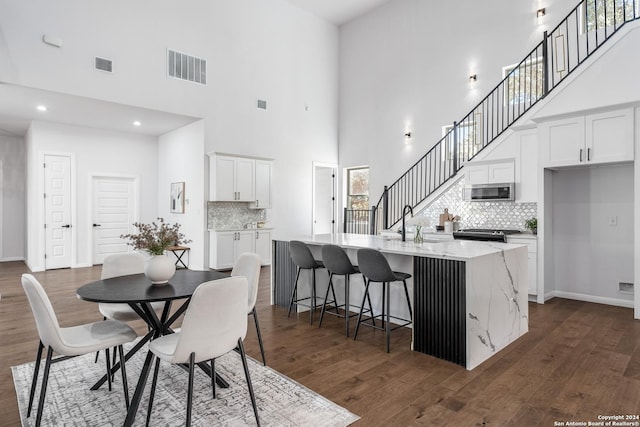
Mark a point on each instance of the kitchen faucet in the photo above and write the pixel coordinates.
(404, 213)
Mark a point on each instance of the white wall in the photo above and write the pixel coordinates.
(256, 49)
(181, 159)
(12, 198)
(95, 152)
(590, 255)
(406, 66)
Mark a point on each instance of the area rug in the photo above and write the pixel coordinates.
(281, 401)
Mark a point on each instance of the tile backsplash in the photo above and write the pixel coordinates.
(503, 215)
(232, 215)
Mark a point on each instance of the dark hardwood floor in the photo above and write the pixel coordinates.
(578, 361)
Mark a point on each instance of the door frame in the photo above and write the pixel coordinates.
(335, 194)
(136, 197)
(42, 244)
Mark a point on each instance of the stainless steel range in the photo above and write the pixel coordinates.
(484, 234)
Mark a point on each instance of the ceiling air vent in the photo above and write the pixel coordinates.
(186, 67)
(104, 65)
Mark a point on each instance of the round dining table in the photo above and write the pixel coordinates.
(138, 292)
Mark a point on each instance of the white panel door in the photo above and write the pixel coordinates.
(323, 200)
(57, 208)
(114, 210)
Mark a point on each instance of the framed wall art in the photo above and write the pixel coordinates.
(177, 197)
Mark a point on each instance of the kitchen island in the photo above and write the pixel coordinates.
(469, 298)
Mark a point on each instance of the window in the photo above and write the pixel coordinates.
(469, 135)
(524, 82)
(358, 188)
(607, 13)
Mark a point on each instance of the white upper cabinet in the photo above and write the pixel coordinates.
(609, 136)
(240, 179)
(263, 184)
(591, 139)
(233, 179)
(489, 172)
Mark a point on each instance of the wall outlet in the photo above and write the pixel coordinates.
(625, 287)
(613, 220)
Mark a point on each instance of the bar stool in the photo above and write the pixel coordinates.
(375, 268)
(338, 263)
(303, 259)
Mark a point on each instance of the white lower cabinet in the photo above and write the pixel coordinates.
(263, 246)
(226, 246)
(532, 257)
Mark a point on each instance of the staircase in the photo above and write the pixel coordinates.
(587, 27)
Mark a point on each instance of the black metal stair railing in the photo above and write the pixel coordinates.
(590, 24)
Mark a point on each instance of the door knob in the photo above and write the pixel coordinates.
(97, 225)
(66, 226)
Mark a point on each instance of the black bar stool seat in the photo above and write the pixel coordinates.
(375, 268)
(337, 262)
(303, 259)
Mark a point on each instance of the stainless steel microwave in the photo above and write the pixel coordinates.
(490, 193)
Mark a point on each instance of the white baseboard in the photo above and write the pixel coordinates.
(592, 298)
(12, 258)
(85, 265)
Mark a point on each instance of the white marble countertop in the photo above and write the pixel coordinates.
(461, 250)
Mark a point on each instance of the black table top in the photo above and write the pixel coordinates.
(138, 288)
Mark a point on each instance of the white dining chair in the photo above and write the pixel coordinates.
(248, 265)
(123, 264)
(71, 341)
(214, 324)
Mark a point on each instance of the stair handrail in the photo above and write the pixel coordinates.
(491, 109)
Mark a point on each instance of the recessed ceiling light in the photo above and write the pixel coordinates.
(41, 108)
(137, 123)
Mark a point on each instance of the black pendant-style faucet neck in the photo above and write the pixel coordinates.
(404, 214)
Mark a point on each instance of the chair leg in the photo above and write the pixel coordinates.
(364, 298)
(213, 377)
(312, 306)
(294, 293)
(373, 320)
(406, 292)
(248, 377)
(108, 359)
(192, 359)
(125, 385)
(385, 289)
(153, 387)
(383, 306)
(255, 318)
(34, 381)
(97, 352)
(335, 300)
(326, 296)
(43, 389)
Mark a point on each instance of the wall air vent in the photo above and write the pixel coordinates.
(104, 65)
(186, 67)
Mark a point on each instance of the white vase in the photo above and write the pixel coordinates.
(159, 269)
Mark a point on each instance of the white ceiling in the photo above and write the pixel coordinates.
(338, 12)
(18, 104)
(18, 109)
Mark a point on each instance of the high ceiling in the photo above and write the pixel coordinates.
(338, 12)
(18, 104)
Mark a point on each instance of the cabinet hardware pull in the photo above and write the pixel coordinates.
(588, 154)
(257, 203)
(581, 154)
(257, 234)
